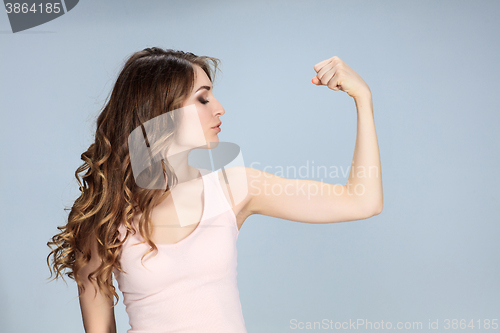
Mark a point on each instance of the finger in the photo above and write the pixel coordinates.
(328, 77)
(326, 73)
(334, 83)
(315, 80)
(321, 64)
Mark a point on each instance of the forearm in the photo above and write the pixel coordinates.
(365, 177)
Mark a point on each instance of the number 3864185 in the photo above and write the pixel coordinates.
(24, 8)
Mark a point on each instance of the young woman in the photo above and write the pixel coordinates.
(167, 230)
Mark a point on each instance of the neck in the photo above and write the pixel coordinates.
(179, 163)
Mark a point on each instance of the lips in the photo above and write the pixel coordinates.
(217, 126)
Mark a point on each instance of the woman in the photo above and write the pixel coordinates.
(168, 230)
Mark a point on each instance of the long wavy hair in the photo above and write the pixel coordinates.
(153, 82)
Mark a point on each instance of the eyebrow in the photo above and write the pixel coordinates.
(203, 87)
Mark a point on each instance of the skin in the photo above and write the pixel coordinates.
(97, 311)
(290, 199)
(200, 114)
(200, 108)
(360, 198)
(336, 203)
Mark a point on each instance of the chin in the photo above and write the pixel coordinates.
(213, 142)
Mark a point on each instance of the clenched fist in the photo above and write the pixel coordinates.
(336, 75)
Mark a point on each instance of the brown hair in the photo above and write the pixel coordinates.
(152, 82)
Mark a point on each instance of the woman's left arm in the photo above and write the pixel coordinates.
(311, 201)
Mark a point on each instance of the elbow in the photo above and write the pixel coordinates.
(370, 209)
(375, 209)
(378, 209)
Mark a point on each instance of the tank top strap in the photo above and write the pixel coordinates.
(221, 191)
(216, 201)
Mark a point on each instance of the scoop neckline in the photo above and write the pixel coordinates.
(203, 214)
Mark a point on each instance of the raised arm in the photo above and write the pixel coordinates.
(311, 201)
(97, 310)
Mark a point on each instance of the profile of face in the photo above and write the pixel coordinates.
(196, 125)
(200, 112)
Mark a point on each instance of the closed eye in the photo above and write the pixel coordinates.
(202, 101)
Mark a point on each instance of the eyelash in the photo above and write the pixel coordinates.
(203, 101)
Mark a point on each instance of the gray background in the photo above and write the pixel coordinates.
(432, 66)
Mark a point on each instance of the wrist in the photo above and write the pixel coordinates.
(365, 95)
(364, 102)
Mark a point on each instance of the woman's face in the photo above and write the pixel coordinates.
(200, 108)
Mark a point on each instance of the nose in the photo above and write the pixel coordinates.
(219, 110)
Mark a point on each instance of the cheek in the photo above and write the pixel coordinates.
(191, 130)
(205, 120)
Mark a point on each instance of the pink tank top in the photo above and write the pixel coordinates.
(189, 286)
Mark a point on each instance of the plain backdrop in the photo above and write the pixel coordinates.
(433, 253)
